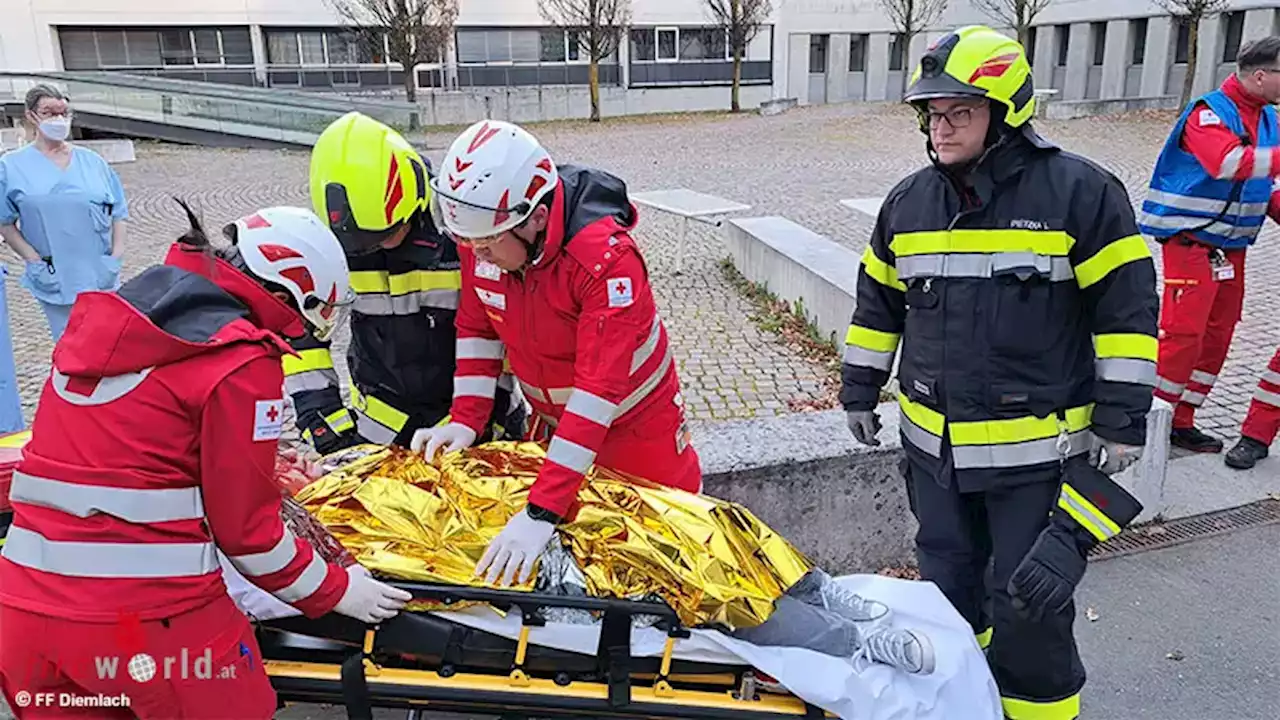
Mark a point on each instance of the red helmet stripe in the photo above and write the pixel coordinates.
(482, 136)
(501, 215)
(395, 190)
(995, 67)
(256, 222)
(300, 277)
(274, 253)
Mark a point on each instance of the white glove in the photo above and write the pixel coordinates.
(516, 549)
(368, 600)
(1112, 457)
(453, 436)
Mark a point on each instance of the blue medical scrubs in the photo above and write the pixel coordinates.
(66, 215)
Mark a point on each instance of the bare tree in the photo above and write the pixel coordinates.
(1016, 14)
(596, 26)
(1189, 13)
(417, 31)
(741, 20)
(910, 18)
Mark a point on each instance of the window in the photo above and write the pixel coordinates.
(282, 48)
(667, 44)
(1098, 39)
(1233, 29)
(344, 48)
(1137, 41)
(311, 47)
(643, 47)
(1182, 44)
(1062, 41)
(552, 45)
(858, 53)
(176, 47)
(703, 44)
(818, 53)
(208, 46)
(1031, 46)
(896, 44)
(576, 46)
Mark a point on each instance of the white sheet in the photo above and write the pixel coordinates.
(960, 688)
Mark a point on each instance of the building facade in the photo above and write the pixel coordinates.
(673, 57)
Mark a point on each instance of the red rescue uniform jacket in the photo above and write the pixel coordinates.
(153, 446)
(581, 332)
(1221, 152)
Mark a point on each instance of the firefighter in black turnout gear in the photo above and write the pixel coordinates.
(373, 188)
(1013, 275)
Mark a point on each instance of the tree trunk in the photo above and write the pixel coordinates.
(1024, 36)
(1193, 52)
(593, 76)
(410, 80)
(906, 57)
(734, 105)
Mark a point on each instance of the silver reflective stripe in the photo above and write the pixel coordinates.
(265, 563)
(374, 431)
(549, 419)
(1129, 370)
(1204, 378)
(479, 349)
(854, 355)
(534, 393)
(1267, 397)
(475, 386)
(570, 454)
(974, 265)
(1271, 376)
(1231, 164)
(109, 560)
(919, 437)
(646, 387)
(1097, 522)
(559, 396)
(1169, 386)
(1261, 162)
(307, 583)
(1183, 222)
(1032, 452)
(135, 506)
(592, 407)
(407, 304)
(310, 380)
(1193, 398)
(1205, 205)
(646, 349)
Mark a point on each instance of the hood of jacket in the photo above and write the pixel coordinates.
(168, 313)
(586, 200)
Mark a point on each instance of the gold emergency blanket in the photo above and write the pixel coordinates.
(712, 561)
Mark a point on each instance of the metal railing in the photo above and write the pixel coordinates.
(266, 113)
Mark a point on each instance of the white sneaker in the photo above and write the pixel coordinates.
(907, 650)
(850, 605)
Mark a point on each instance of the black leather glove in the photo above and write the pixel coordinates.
(1046, 579)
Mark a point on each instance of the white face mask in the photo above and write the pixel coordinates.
(56, 128)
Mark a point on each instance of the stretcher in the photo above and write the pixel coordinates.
(420, 660)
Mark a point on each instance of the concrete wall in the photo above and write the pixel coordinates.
(555, 103)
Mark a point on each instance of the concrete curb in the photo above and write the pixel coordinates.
(842, 504)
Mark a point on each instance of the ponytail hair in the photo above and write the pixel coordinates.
(194, 238)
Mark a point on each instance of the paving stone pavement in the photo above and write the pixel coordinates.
(798, 164)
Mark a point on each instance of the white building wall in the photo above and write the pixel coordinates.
(28, 40)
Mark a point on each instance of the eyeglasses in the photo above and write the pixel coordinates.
(48, 114)
(958, 118)
(479, 243)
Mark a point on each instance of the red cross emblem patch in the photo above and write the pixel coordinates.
(620, 292)
(268, 420)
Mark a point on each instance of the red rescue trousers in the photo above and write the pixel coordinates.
(1198, 316)
(202, 664)
(1263, 421)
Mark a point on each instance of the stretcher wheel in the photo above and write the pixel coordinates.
(447, 671)
(562, 679)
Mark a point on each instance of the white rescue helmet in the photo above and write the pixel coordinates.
(293, 248)
(492, 178)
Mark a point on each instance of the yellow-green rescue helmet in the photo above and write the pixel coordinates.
(976, 61)
(366, 180)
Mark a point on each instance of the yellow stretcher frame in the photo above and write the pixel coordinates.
(362, 681)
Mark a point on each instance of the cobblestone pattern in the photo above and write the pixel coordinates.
(798, 165)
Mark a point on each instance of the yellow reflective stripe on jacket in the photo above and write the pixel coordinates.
(339, 420)
(1087, 514)
(1116, 253)
(1041, 242)
(15, 440)
(1065, 709)
(364, 282)
(1017, 430)
(881, 271)
(376, 421)
(1126, 345)
(875, 340)
(308, 360)
(984, 638)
